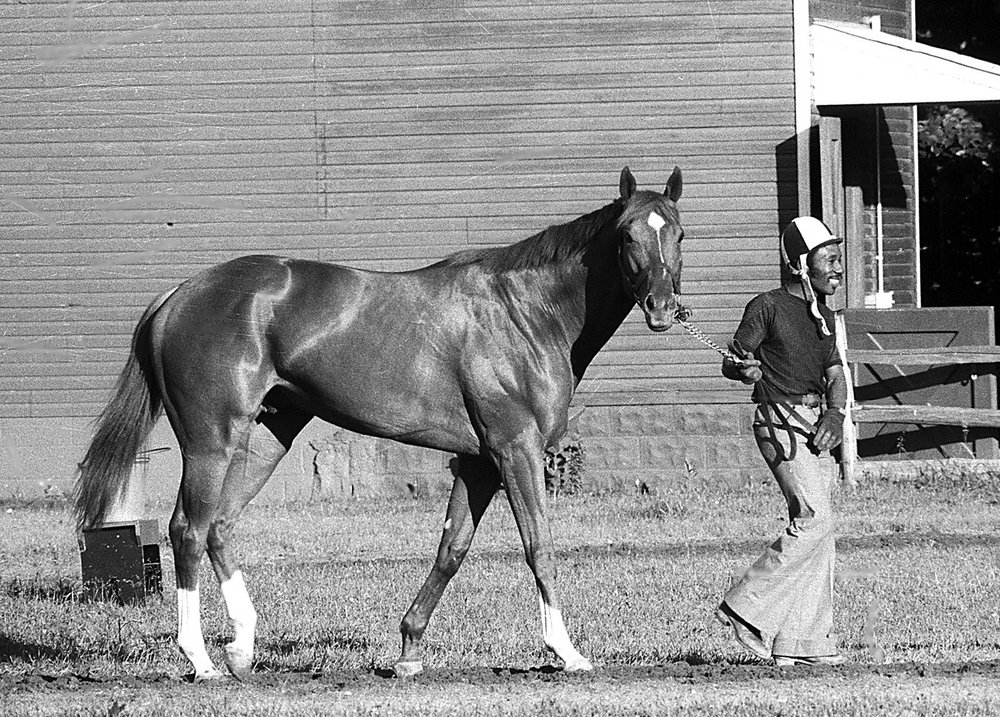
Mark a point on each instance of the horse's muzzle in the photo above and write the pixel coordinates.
(660, 312)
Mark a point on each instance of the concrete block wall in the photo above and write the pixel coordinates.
(625, 447)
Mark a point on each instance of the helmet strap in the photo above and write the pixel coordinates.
(810, 295)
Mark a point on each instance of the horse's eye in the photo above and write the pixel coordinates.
(680, 238)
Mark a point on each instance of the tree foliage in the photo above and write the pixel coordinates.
(954, 133)
(960, 166)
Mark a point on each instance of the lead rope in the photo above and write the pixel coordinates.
(767, 402)
(702, 336)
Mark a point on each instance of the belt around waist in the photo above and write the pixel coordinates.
(809, 400)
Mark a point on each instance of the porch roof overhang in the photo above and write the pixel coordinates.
(855, 65)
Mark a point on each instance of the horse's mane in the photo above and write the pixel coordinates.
(562, 241)
(555, 244)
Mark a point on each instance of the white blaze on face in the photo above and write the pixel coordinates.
(656, 223)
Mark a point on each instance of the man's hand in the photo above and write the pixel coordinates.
(740, 365)
(749, 370)
(829, 430)
(746, 370)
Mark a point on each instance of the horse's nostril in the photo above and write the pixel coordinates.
(654, 303)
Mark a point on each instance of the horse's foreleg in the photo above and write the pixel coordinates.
(557, 639)
(473, 489)
(522, 469)
(243, 619)
(264, 446)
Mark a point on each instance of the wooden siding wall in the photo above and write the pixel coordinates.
(895, 129)
(144, 141)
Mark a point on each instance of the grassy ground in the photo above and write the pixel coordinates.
(640, 577)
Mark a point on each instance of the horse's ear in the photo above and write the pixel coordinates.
(674, 185)
(626, 185)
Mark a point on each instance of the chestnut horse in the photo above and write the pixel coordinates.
(478, 354)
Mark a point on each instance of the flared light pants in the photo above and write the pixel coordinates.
(788, 593)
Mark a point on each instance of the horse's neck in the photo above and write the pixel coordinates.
(600, 305)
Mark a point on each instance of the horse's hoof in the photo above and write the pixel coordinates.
(578, 664)
(239, 662)
(408, 668)
(208, 676)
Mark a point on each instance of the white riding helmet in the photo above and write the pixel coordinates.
(801, 237)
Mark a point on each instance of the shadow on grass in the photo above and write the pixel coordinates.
(310, 654)
(333, 640)
(688, 549)
(13, 650)
(61, 590)
(701, 548)
(67, 590)
(691, 658)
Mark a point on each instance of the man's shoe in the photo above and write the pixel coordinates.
(745, 634)
(811, 660)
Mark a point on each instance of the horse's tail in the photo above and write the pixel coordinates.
(122, 428)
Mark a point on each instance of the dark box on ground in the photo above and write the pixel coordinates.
(121, 561)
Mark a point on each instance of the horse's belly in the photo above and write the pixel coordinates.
(411, 423)
(404, 407)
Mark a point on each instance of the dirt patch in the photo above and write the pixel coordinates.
(609, 676)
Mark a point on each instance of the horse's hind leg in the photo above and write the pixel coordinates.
(207, 505)
(201, 484)
(475, 485)
(265, 445)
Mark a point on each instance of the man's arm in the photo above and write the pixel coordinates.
(830, 429)
(836, 387)
(741, 365)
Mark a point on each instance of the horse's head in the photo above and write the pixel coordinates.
(650, 248)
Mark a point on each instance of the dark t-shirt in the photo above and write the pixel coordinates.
(782, 334)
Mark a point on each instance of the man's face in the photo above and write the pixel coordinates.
(826, 269)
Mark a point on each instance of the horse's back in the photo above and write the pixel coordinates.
(258, 286)
(375, 352)
(400, 355)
